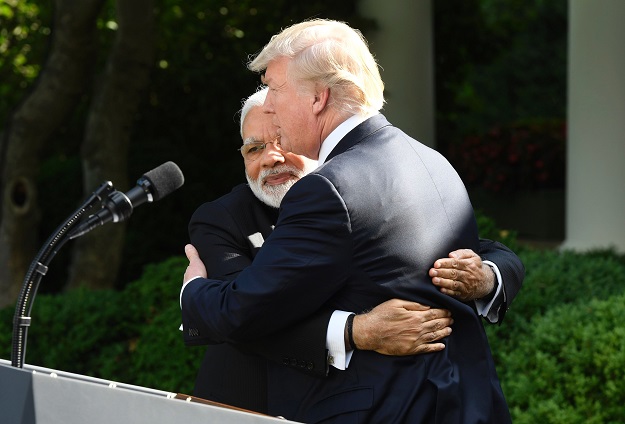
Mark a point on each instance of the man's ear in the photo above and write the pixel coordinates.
(322, 95)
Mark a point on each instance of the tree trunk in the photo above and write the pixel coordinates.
(59, 87)
(96, 256)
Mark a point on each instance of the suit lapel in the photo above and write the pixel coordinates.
(359, 133)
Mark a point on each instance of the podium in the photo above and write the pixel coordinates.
(37, 395)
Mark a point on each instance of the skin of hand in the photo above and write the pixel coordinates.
(399, 327)
(463, 275)
(196, 267)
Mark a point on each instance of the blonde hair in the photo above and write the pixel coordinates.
(333, 54)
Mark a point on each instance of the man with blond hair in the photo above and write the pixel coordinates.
(229, 231)
(362, 228)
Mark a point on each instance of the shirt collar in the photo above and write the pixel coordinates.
(337, 135)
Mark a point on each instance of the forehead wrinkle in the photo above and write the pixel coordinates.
(268, 81)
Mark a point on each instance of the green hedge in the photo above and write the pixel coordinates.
(129, 336)
(570, 367)
(560, 352)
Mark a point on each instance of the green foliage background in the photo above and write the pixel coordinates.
(560, 352)
(128, 336)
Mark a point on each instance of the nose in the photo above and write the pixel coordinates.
(272, 155)
(268, 104)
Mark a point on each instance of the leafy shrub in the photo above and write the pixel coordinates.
(570, 368)
(74, 331)
(130, 336)
(554, 278)
(488, 229)
(161, 360)
(158, 287)
(561, 339)
(80, 329)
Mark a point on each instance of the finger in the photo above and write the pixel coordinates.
(450, 275)
(437, 334)
(433, 338)
(425, 331)
(462, 254)
(191, 252)
(402, 304)
(436, 318)
(453, 293)
(461, 288)
(446, 263)
(445, 281)
(413, 306)
(429, 348)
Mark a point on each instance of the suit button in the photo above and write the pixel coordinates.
(294, 362)
(310, 366)
(285, 361)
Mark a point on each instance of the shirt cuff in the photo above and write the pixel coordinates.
(185, 285)
(484, 308)
(338, 357)
(181, 290)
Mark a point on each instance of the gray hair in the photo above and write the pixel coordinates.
(256, 99)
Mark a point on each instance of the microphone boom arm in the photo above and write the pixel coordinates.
(116, 207)
(38, 268)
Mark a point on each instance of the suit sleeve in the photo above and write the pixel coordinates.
(301, 265)
(301, 346)
(216, 235)
(512, 273)
(222, 247)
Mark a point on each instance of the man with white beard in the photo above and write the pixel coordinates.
(229, 231)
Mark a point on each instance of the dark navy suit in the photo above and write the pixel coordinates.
(363, 228)
(228, 232)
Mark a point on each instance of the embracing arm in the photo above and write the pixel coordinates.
(510, 267)
(217, 240)
(394, 327)
(467, 276)
(220, 236)
(492, 281)
(399, 330)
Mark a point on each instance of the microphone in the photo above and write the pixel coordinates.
(152, 186)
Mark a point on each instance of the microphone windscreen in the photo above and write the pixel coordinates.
(164, 179)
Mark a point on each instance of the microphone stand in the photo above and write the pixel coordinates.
(38, 268)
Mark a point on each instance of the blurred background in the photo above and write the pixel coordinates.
(526, 98)
(107, 91)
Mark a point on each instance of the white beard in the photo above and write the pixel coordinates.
(272, 195)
